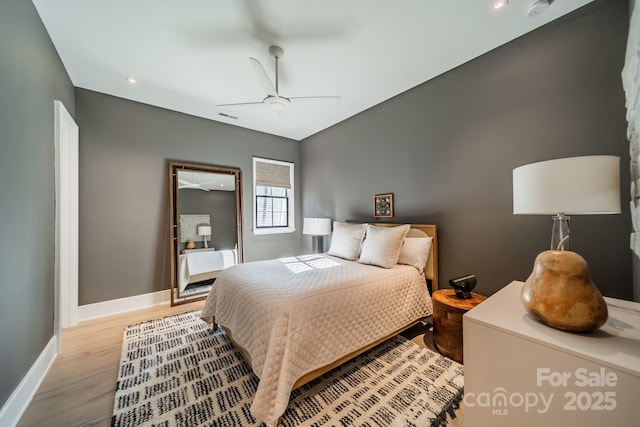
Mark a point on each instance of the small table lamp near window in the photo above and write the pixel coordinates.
(317, 228)
(205, 231)
(588, 185)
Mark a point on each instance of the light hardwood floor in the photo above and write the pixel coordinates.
(80, 386)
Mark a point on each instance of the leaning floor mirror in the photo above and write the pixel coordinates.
(206, 226)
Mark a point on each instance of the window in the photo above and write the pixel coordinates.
(273, 206)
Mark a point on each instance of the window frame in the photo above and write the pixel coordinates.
(291, 199)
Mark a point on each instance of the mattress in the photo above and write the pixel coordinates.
(295, 315)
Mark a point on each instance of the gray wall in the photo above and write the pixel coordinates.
(31, 77)
(221, 207)
(447, 149)
(125, 148)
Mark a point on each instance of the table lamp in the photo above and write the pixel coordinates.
(205, 231)
(317, 228)
(559, 291)
(588, 185)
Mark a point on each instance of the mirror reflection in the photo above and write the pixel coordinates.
(206, 225)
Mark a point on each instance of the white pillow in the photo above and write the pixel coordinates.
(415, 252)
(382, 245)
(346, 240)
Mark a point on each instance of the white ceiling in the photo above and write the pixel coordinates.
(191, 55)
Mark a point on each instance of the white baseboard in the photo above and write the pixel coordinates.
(122, 305)
(20, 399)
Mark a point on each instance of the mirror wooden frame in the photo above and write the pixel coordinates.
(174, 222)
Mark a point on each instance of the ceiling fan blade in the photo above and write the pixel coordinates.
(180, 186)
(237, 104)
(313, 100)
(268, 87)
(185, 183)
(305, 98)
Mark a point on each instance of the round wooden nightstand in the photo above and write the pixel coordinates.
(447, 321)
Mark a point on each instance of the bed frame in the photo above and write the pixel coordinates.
(431, 274)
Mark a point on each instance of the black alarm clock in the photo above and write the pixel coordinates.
(464, 285)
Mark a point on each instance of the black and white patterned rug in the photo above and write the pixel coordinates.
(177, 371)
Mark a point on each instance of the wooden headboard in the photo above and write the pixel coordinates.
(417, 230)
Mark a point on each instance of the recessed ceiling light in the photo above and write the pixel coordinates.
(499, 4)
(132, 80)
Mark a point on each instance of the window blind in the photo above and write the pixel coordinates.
(272, 174)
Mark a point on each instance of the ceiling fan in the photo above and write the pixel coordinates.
(183, 183)
(274, 100)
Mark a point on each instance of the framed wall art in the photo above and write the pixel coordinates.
(383, 205)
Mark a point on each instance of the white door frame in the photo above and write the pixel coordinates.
(66, 223)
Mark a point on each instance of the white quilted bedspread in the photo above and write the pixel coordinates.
(295, 315)
(202, 262)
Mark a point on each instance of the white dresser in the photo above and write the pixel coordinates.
(519, 372)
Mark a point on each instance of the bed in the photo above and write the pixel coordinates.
(197, 265)
(295, 318)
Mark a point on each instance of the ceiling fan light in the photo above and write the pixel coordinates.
(276, 103)
(277, 106)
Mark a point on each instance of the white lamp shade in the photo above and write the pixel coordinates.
(204, 230)
(575, 185)
(317, 226)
